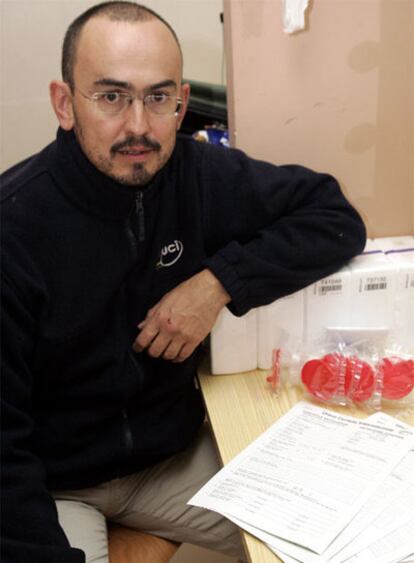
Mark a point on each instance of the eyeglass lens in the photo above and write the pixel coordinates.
(160, 104)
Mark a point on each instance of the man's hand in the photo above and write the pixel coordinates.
(176, 325)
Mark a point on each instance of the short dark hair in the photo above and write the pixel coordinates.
(121, 10)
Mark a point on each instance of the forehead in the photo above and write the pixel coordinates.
(141, 53)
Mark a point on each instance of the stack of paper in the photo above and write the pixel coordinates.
(319, 486)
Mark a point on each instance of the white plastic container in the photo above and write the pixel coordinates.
(373, 282)
(327, 304)
(280, 325)
(400, 251)
(233, 343)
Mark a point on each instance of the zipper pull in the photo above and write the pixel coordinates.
(139, 208)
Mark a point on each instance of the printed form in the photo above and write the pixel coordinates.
(391, 524)
(308, 475)
(385, 550)
(390, 506)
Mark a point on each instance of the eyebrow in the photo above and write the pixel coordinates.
(128, 85)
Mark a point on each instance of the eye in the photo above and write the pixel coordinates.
(158, 98)
(111, 97)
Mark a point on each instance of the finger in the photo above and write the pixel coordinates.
(185, 352)
(173, 349)
(159, 345)
(150, 313)
(146, 336)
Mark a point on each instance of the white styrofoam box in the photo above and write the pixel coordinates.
(373, 282)
(371, 247)
(400, 251)
(395, 244)
(233, 343)
(280, 325)
(327, 304)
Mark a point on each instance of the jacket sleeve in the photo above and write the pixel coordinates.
(272, 230)
(30, 527)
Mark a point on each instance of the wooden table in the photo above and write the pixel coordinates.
(240, 407)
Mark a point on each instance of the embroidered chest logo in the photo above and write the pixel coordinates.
(170, 254)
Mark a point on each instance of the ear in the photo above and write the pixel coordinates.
(185, 96)
(61, 99)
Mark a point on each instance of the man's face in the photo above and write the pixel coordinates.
(135, 58)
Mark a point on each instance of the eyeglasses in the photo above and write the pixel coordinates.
(113, 103)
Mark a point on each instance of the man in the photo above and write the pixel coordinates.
(121, 244)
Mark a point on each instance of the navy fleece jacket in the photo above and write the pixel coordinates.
(83, 259)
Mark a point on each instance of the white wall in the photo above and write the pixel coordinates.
(31, 35)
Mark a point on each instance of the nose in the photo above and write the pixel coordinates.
(136, 118)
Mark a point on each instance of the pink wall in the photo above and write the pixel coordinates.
(338, 97)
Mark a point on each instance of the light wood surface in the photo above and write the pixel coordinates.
(240, 407)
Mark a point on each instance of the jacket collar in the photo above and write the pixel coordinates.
(86, 186)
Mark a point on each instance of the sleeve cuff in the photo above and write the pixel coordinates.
(226, 272)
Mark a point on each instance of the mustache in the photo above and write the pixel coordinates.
(132, 141)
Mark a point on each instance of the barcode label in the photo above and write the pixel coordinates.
(329, 285)
(407, 284)
(375, 286)
(327, 288)
(376, 283)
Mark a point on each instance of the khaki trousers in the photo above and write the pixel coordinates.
(152, 501)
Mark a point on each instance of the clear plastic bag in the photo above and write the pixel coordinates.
(355, 367)
(397, 371)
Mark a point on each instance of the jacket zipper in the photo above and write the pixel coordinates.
(137, 367)
(127, 434)
(139, 208)
(126, 428)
